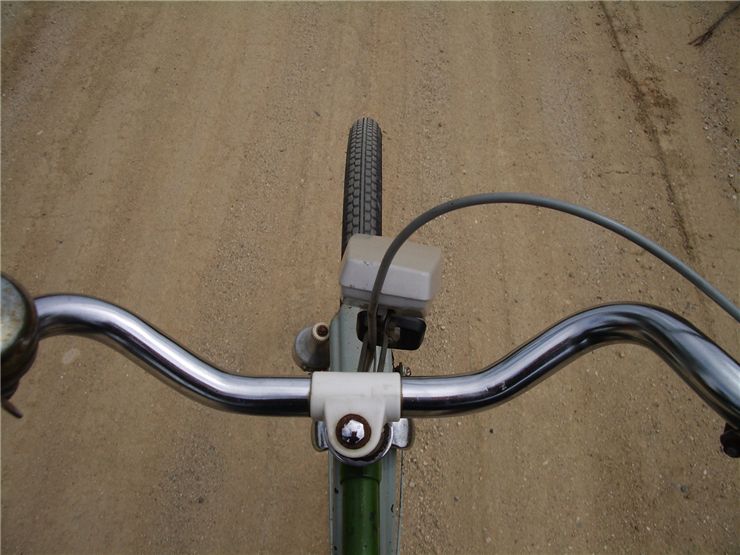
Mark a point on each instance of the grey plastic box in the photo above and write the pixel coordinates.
(413, 278)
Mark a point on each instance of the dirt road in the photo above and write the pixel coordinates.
(185, 160)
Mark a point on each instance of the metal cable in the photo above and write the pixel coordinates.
(543, 202)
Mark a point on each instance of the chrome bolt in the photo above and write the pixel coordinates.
(353, 431)
(402, 369)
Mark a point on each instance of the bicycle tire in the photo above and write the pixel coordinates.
(363, 181)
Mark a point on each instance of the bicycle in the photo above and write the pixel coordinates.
(360, 400)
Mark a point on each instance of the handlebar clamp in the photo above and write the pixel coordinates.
(358, 410)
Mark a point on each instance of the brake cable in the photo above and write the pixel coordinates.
(533, 200)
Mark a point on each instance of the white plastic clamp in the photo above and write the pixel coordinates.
(373, 396)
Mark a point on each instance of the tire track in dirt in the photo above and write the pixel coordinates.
(646, 101)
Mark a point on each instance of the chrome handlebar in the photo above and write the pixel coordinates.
(163, 357)
(712, 373)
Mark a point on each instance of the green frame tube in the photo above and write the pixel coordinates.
(361, 508)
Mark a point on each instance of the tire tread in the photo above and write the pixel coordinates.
(363, 181)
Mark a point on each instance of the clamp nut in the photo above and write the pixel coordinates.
(353, 431)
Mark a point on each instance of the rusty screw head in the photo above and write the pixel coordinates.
(353, 431)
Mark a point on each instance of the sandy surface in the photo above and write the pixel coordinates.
(185, 161)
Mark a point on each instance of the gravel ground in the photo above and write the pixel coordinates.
(185, 161)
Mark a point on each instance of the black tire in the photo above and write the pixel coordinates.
(363, 181)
